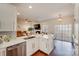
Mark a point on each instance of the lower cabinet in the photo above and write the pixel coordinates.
(29, 47)
(32, 46)
(43, 45)
(35, 45)
(46, 45)
(50, 44)
(3, 52)
(39, 43)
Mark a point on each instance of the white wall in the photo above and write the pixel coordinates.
(52, 22)
(23, 25)
(76, 16)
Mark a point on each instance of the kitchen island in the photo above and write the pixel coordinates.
(30, 45)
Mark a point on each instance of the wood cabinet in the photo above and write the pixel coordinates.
(3, 52)
(16, 50)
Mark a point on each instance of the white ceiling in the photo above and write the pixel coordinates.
(44, 11)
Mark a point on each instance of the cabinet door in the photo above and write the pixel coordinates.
(24, 49)
(29, 47)
(33, 45)
(2, 52)
(47, 46)
(36, 44)
(8, 17)
(41, 44)
(44, 45)
(50, 44)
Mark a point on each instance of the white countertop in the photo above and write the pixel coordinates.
(16, 41)
(25, 36)
(12, 42)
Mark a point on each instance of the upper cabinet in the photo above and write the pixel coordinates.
(8, 16)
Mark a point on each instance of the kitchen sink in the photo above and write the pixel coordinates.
(29, 37)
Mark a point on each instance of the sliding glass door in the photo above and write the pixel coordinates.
(63, 32)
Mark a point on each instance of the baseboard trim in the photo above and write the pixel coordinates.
(34, 53)
(52, 50)
(63, 40)
(43, 52)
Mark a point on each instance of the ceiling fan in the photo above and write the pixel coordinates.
(59, 17)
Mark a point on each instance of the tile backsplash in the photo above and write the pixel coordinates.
(12, 33)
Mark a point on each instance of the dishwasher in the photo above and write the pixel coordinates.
(16, 50)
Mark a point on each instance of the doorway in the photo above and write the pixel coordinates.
(63, 42)
(63, 32)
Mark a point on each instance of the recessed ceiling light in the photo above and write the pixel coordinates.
(59, 19)
(30, 6)
(18, 13)
(26, 22)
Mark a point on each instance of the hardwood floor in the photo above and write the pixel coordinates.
(61, 49)
(39, 53)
